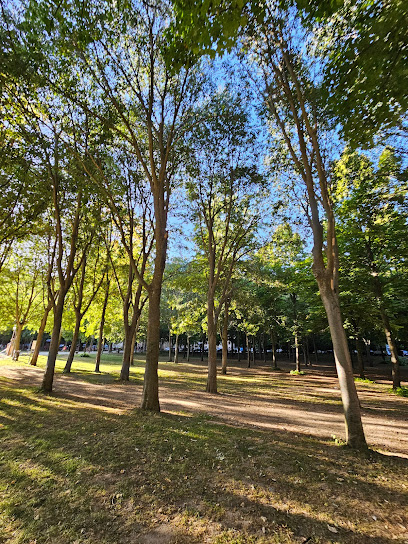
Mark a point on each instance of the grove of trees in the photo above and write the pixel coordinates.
(203, 173)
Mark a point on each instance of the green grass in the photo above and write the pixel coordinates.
(363, 380)
(76, 473)
(400, 391)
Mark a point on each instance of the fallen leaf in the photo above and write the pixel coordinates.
(332, 529)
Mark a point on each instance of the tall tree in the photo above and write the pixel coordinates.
(225, 189)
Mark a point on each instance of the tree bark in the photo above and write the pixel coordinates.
(101, 339)
(176, 349)
(170, 348)
(188, 348)
(212, 348)
(238, 346)
(354, 428)
(225, 341)
(273, 341)
(248, 350)
(48, 378)
(150, 396)
(75, 336)
(132, 348)
(40, 334)
(17, 340)
(297, 358)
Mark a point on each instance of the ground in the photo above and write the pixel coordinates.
(261, 462)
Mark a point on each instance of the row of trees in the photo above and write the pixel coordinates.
(119, 132)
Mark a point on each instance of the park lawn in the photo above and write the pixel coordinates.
(193, 376)
(71, 472)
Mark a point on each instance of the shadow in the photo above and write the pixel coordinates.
(72, 472)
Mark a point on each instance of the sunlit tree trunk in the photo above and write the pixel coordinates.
(225, 341)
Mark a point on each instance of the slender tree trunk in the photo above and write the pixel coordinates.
(68, 364)
(202, 347)
(274, 364)
(239, 346)
(170, 348)
(248, 351)
(297, 358)
(48, 378)
(378, 291)
(176, 349)
(17, 340)
(188, 349)
(369, 359)
(101, 340)
(127, 352)
(354, 428)
(360, 362)
(396, 379)
(212, 348)
(253, 350)
(40, 334)
(315, 350)
(132, 347)
(225, 341)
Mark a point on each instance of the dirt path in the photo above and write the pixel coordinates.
(384, 415)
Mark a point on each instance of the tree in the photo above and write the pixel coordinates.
(370, 204)
(275, 38)
(21, 288)
(225, 190)
(364, 47)
(117, 50)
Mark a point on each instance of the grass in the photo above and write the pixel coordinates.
(363, 380)
(400, 391)
(70, 473)
(76, 473)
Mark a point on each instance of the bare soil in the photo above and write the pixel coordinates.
(308, 404)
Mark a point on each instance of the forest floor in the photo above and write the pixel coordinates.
(263, 461)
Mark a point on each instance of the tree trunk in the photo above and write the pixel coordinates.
(248, 351)
(315, 350)
(48, 378)
(170, 348)
(188, 349)
(176, 349)
(202, 347)
(238, 346)
(369, 359)
(150, 397)
(225, 341)
(360, 362)
(68, 364)
(132, 348)
(274, 365)
(351, 405)
(378, 291)
(101, 340)
(396, 379)
(212, 348)
(127, 352)
(297, 359)
(17, 340)
(40, 334)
